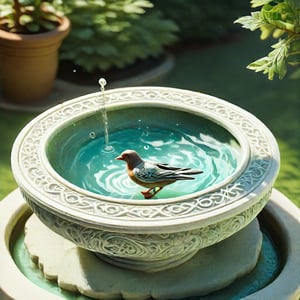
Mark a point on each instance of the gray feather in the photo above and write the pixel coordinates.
(155, 172)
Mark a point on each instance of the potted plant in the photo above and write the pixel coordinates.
(31, 32)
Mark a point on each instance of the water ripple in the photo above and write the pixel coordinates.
(99, 172)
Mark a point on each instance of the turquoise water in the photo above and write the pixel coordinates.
(263, 273)
(96, 170)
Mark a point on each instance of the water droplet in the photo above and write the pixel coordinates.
(139, 124)
(146, 131)
(92, 135)
(102, 82)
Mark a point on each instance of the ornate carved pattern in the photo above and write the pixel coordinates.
(56, 194)
(148, 246)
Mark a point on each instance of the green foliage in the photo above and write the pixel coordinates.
(114, 33)
(203, 20)
(29, 16)
(280, 19)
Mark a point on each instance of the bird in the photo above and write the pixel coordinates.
(153, 175)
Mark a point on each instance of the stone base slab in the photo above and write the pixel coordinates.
(79, 270)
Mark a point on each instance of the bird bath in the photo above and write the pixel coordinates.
(78, 191)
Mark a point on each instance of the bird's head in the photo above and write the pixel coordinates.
(131, 157)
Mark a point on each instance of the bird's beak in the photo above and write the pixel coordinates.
(119, 157)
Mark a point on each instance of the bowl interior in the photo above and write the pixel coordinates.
(76, 150)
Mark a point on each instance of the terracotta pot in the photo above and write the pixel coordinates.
(29, 62)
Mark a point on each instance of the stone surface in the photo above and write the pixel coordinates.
(77, 269)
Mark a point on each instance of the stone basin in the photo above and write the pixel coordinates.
(147, 235)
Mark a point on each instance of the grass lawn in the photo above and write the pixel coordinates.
(218, 70)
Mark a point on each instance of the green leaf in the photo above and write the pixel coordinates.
(27, 2)
(48, 25)
(282, 16)
(106, 49)
(266, 31)
(51, 17)
(275, 62)
(33, 27)
(25, 19)
(278, 33)
(6, 11)
(256, 3)
(252, 22)
(259, 65)
(84, 33)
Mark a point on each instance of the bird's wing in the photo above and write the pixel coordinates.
(150, 172)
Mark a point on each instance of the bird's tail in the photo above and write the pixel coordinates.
(184, 177)
(183, 174)
(186, 171)
(189, 171)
